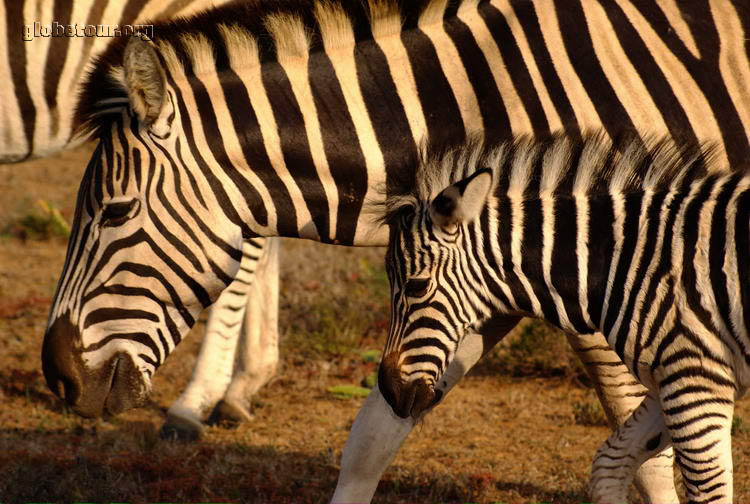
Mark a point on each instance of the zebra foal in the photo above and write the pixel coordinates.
(647, 244)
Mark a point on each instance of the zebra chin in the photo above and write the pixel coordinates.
(406, 398)
(115, 386)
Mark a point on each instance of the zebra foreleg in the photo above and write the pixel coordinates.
(641, 437)
(621, 394)
(214, 366)
(377, 433)
(376, 436)
(258, 351)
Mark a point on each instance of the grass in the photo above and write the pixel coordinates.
(348, 391)
(334, 311)
(740, 427)
(16, 308)
(589, 412)
(532, 349)
(42, 223)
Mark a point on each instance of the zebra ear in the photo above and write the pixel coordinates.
(463, 201)
(146, 82)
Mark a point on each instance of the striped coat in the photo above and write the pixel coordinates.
(284, 119)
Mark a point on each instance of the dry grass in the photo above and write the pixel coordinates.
(512, 432)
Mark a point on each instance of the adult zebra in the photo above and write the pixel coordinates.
(42, 72)
(43, 76)
(281, 119)
(641, 243)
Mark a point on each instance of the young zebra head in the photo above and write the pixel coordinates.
(431, 228)
(502, 229)
(152, 244)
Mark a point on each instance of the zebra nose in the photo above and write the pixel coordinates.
(407, 399)
(58, 360)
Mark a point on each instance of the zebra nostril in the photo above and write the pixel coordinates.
(126, 388)
(66, 389)
(423, 397)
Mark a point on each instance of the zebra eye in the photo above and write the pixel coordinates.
(116, 214)
(417, 287)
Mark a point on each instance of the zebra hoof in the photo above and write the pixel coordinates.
(227, 412)
(181, 429)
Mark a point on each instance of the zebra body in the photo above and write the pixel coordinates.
(44, 76)
(643, 244)
(286, 173)
(281, 119)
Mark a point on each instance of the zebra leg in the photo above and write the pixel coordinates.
(637, 440)
(698, 405)
(258, 351)
(213, 368)
(377, 433)
(376, 436)
(621, 394)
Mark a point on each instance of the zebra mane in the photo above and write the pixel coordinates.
(253, 32)
(527, 167)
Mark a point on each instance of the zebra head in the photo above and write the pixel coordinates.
(436, 291)
(150, 248)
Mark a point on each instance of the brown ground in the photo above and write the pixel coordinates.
(514, 432)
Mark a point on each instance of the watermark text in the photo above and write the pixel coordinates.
(37, 29)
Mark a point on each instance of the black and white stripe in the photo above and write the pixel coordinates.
(239, 352)
(45, 79)
(285, 119)
(643, 244)
(42, 77)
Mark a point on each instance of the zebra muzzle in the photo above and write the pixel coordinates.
(406, 398)
(113, 387)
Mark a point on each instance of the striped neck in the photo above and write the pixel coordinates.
(546, 236)
(557, 255)
(624, 263)
(309, 110)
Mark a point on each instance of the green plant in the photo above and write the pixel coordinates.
(370, 355)
(41, 225)
(348, 391)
